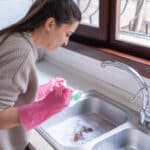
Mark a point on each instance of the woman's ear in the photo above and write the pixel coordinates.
(49, 24)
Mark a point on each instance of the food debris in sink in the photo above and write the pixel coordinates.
(80, 135)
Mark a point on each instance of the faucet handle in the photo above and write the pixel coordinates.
(141, 89)
(142, 117)
(147, 114)
(145, 117)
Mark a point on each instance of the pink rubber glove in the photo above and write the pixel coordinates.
(34, 114)
(44, 89)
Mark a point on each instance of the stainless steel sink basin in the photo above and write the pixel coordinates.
(128, 139)
(77, 125)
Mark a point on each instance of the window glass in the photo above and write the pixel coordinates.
(90, 12)
(133, 24)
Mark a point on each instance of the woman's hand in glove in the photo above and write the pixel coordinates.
(44, 89)
(54, 100)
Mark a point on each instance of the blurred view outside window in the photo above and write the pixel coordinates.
(134, 22)
(133, 19)
(90, 12)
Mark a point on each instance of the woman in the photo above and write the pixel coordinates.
(48, 25)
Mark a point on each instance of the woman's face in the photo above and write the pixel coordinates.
(53, 36)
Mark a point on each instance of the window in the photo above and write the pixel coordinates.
(131, 30)
(93, 26)
(134, 24)
(90, 12)
(123, 25)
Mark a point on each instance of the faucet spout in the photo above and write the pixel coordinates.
(145, 110)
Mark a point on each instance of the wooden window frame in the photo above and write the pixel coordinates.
(102, 45)
(97, 33)
(128, 48)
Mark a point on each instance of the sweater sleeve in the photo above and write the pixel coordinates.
(17, 68)
(8, 93)
(9, 88)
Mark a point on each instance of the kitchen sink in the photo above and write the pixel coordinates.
(128, 139)
(91, 117)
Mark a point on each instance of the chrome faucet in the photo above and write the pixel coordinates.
(144, 118)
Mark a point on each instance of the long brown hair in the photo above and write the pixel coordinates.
(63, 11)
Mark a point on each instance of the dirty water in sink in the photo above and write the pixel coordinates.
(87, 126)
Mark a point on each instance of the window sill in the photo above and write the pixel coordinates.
(141, 65)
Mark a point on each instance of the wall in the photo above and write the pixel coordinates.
(120, 84)
(12, 11)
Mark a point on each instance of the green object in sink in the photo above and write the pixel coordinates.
(76, 95)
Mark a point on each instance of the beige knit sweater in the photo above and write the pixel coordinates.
(18, 84)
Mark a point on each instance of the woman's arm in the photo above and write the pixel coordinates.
(52, 98)
(9, 118)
